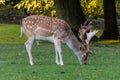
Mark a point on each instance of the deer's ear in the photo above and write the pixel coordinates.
(81, 48)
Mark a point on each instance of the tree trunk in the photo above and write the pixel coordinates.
(111, 29)
(25, 11)
(70, 11)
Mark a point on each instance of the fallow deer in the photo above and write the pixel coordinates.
(56, 31)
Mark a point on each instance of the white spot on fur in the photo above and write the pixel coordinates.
(30, 27)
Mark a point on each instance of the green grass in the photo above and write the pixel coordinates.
(14, 63)
(9, 33)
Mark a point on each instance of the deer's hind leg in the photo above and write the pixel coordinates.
(28, 45)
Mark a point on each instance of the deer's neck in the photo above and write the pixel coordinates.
(73, 43)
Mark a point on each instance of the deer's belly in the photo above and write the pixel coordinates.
(50, 38)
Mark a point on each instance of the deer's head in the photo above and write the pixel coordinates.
(85, 36)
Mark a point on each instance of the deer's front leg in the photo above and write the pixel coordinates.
(58, 52)
(28, 45)
(57, 57)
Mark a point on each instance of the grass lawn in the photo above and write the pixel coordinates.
(14, 64)
(9, 33)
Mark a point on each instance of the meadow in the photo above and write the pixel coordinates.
(14, 63)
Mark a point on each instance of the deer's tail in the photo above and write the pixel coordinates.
(21, 30)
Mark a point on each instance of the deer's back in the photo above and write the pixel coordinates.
(46, 26)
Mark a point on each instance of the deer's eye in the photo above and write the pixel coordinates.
(85, 57)
(80, 48)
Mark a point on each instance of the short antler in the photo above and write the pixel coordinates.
(86, 36)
